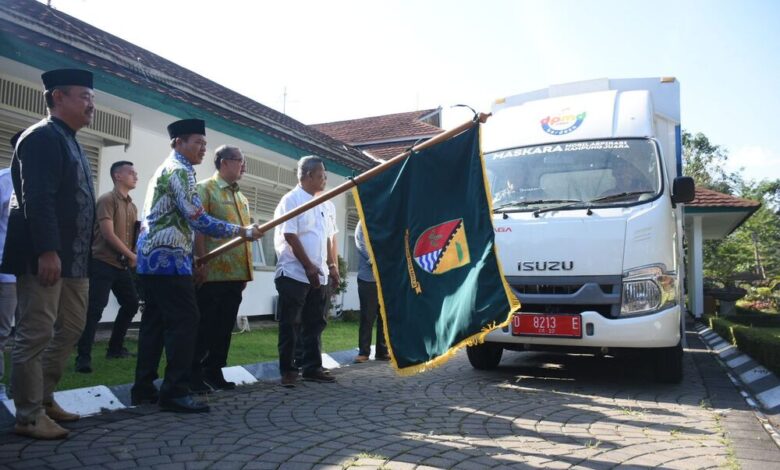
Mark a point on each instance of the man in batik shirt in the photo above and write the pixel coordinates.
(165, 265)
(223, 278)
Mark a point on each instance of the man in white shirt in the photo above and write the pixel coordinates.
(331, 229)
(301, 245)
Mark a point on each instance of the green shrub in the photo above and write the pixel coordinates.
(350, 315)
(763, 346)
(759, 321)
(761, 296)
(722, 327)
(748, 311)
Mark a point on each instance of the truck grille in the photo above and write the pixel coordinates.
(573, 294)
(547, 289)
(604, 310)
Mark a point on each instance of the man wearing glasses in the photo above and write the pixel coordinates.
(165, 265)
(222, 280)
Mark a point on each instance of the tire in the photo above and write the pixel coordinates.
(485, 356)
(668, 364)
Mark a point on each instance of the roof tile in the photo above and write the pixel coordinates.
(399, 126)
(387, 151)
(709, 198)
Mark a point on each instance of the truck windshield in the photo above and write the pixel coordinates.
(593, 173)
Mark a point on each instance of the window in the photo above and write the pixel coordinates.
(263, 253)
(588, 171)
(90, 145)
(258, 255)
(262, 203)
(6, 152)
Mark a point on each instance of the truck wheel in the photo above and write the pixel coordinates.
(484, 356)
(668, 364)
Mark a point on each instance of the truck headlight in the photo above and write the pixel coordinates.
(648, 290)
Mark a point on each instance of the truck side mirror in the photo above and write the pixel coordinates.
(683, 189)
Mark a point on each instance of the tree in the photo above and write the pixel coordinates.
(762, 229)
(759, 237)
(705, 162)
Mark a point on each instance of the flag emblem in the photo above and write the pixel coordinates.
(442, 247)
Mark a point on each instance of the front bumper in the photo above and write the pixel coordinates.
(658, 330)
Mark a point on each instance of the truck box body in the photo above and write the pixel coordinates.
(587, 232)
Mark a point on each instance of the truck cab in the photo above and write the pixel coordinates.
(586, 189)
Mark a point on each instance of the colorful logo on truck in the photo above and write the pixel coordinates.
(563, 123)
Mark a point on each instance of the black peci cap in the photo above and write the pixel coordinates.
(66, 77)
(187, 126)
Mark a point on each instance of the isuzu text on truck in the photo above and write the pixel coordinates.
(586, 183)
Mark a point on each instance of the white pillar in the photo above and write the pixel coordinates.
(696, 268)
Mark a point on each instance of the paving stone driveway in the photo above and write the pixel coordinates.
(537, 410)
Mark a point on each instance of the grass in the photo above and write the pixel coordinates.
(731, 456)
(630, 411)
(258, 345)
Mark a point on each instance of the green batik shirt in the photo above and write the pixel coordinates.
(226, 202)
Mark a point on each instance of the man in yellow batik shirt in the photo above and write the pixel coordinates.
(221, 281)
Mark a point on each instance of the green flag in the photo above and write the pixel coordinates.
(429, 231)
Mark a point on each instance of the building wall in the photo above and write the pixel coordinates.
(149, 146)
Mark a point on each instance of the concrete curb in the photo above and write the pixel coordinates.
(759, 386)
(97, 399)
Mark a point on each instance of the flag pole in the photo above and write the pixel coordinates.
(343, 187)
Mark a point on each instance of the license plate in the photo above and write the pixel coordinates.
(533, 324)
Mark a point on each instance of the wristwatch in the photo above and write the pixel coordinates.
(248, 232)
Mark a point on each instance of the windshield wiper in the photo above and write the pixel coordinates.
(612, 197)
(569, 203)
(518, 205)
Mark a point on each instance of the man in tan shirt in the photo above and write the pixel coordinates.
(112, 260)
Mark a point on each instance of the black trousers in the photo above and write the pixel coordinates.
(170, 320)
(369, 310)
(326, 310)
(218, 303)
(104, 278)
(302, 305)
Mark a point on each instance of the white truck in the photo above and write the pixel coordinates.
(586, 183)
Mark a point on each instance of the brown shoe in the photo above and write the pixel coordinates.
(359, 359)
(319, 375)
(42, 428)
(289, 378)
(55, 412)
(383, 357)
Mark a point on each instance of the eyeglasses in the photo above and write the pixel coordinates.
(243, 161)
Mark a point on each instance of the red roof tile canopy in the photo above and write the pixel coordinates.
(709, 198)
(61, 33)
(408, 126)
(387, 151)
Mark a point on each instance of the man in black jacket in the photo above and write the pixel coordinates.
(48, 248)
